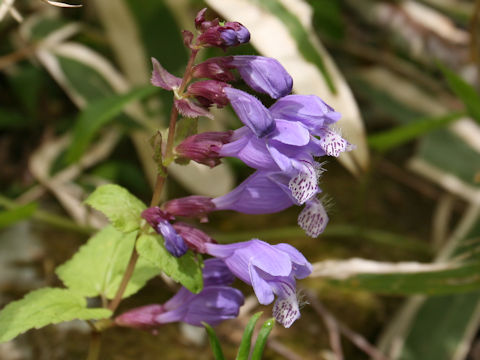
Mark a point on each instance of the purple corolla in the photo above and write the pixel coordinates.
(215, 303)
(269, 192)
(282, 138)
(270, 269)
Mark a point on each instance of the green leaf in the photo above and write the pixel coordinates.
(464, 91)
(122, 208)
(462, 278)
(298, 32)
(262, 339)
(214, 343)
(99, 113)
(98, 267)
(401, 134)
(244, 349)
(19, 213)
(185, 269)
(43, 307)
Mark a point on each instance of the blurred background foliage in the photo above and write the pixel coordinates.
(397, 270)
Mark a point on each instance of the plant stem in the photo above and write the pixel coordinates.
(159, 183)
(94, 349)
(126, 278)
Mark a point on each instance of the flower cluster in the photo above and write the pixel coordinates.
(282, 143)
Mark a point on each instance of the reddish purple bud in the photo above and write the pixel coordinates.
(209, 92)
(162, 78)
(190, 206)
(204, 148)
(223, 36)
(217, 68)
(187, 38)
(155, 215)
(195, 238)
(189, 109)
(140, 318)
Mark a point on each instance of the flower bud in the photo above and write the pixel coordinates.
(209, 92)
(140, 318)
(195, 238)
(217, 68)
(204, 148)
(190, 206)
(223, 36)
(263, 74)
(159, 220)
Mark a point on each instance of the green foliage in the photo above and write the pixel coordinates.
(401, 134)
(244, 349)
(99, 113)
(19, 213)
(43, 307)
(464, 91)
(122, 208)
(186, 269)
(214, 343)
(262, 339)
(98, 267)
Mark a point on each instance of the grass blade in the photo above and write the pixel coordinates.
(244, 349)
(262, 339)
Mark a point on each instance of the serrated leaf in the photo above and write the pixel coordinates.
(262, 339)
(244, 349)
(186, 269)
(99, 113)
(98, 267)
(43, 307)
(122, 208)
(214, 343)
(464, 91)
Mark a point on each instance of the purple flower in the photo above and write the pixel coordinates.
(159, 220)
(314, 114)
(270, 269)
(283, 138)
(263, 74)
(269, 192)
(215, 303)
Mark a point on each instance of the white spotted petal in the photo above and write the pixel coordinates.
(313, 218)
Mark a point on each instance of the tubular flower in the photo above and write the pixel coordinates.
(215, 303)
(270, 269)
